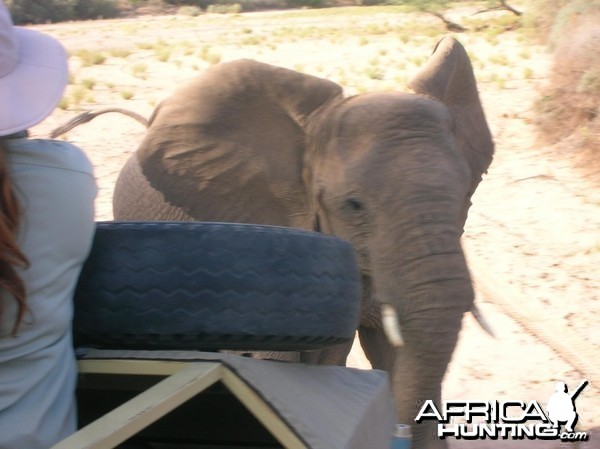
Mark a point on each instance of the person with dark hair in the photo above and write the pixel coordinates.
(47, 192)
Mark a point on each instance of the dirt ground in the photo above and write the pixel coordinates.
(532, 236)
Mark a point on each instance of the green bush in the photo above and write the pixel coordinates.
(306, 3)
(35, 11)
(94, 9)
(255, 5)
(422, 5)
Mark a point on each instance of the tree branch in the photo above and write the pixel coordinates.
(450, 26)
(510, 8)
(502, 6)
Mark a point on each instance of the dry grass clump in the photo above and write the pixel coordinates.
(540, 17)
(570, 104)
(233, 8)
(572, 97)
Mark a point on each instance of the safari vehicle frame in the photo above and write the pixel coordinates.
(151, 391)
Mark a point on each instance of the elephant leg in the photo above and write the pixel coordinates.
(377, 348)
(333, 355)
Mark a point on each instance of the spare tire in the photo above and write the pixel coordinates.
(210, 286)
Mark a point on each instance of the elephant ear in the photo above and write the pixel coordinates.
(448, 76)
(230, 145)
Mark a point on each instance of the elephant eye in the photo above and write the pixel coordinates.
(354, 204)
(355, 210)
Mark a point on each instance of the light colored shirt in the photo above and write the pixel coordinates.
(56, 188)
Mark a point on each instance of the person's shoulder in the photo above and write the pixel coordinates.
(71, 155)
(54, 153)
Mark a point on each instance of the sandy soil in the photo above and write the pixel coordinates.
(532, 237)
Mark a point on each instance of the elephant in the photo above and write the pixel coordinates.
(391, 172)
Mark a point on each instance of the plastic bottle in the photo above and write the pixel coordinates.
(401, 438)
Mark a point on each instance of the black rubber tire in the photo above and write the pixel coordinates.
(209, 286)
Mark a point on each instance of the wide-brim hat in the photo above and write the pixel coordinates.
(33, 75)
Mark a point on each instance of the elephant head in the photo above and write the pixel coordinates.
(391, 172)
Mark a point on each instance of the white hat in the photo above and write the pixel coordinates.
(33, 75)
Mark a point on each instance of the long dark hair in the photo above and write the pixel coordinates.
(11, 255)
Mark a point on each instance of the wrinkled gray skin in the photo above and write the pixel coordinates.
(391, 172)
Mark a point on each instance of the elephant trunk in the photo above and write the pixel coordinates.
(428, 283)
(430, 336)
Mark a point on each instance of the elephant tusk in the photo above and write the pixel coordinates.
(482, 321)
(391, 325)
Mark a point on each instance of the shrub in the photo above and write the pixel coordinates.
(139, 70)
(570, 104)
(89, 58)
(189, 10)
(224, 9)
(33, 11)
(572, 16)
(209, 56)
(120, 52)
(88, 83)
(94, 9)
(306, 3)
(540, 15)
